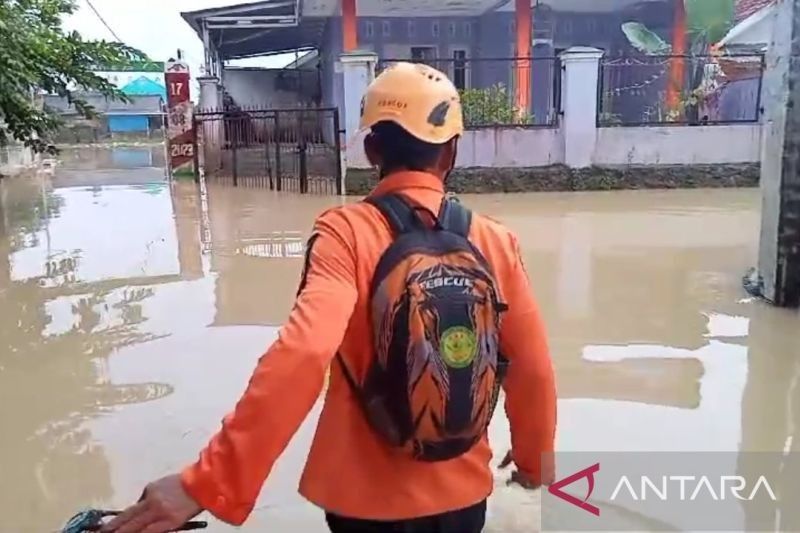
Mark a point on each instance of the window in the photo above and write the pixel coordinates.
(468, 29)
(369, 29)
(423, 54)
(452, 29)
(386, 28)
(412, 29)
(435, 28)
(512, 27)
(459, 73)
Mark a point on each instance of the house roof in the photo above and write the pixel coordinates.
(143, 86)
(745, 8)
(754, 31)
(260, 28)
(139, 104)
(586, 6)
(276, 26)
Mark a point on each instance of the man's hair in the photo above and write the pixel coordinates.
(402, 151)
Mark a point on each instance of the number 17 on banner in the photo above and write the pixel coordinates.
(180, 129)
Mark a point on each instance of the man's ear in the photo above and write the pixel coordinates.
(447, 160)
(372, 150)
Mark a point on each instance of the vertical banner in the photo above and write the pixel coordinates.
(180, 131)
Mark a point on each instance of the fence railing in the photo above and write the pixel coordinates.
(489, 89)
(680, 89)
(295, 149)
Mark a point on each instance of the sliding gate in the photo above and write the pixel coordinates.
(282, 149)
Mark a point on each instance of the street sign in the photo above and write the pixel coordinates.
(180, 130)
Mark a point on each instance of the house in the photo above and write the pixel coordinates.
(142, 83)
(751, 34)
(141, 116)
(753, 29)
(511, 44)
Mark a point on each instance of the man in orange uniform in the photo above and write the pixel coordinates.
(415, 119)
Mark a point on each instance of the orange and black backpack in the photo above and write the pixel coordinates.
(435, 310)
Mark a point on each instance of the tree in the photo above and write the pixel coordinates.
(37, 54)
(700, 22)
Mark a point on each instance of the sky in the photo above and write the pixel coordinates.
(155, 27)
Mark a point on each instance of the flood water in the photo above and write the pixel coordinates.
(132, 315)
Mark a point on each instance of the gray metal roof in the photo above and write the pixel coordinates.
(139, 105)
(259, 28)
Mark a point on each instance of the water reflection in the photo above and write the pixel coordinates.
(132, 315)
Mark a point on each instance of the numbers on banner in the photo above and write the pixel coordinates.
(176, 88)
(182, 150)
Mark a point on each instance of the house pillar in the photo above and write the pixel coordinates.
(358, 71)
(210, 132)
(209, 92)
(349, 26)
(779, 254)
(581, 66)
(524, 39)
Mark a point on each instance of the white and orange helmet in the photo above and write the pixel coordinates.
(418, 98)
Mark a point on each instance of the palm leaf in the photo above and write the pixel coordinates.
(645, 40)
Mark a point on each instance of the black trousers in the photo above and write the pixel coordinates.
(469, 520)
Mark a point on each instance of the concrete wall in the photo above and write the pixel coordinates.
(510, 147)
(622, 146)
(255, 87)
(678, 145)
(15, 159)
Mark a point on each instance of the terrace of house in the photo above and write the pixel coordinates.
(473, 40)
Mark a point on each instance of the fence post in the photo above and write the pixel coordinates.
(267, 157)
(277, 138)
(234, 142)
(579, 92)
(302, 149)
(195, 153)
(337, 136)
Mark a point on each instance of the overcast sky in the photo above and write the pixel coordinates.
(153, 26)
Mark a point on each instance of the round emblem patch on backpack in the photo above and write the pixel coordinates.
(458, 346)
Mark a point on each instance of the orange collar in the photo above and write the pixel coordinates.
(408, 179)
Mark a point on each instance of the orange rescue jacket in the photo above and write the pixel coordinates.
(350, 471)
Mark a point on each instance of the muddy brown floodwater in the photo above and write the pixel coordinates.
(132, 315)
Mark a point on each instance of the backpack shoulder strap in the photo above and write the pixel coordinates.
(401, 216)
(454, 217)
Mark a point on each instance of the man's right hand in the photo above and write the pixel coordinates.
(518, 478)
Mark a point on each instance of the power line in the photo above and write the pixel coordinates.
(99, 16)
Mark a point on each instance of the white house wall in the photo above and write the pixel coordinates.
(678, 145)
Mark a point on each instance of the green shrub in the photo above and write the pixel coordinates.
(492, 106)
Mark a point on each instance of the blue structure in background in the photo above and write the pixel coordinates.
(124, 122)
(128, 123)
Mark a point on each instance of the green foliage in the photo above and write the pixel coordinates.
(645, 40)
(707, 22)
(37, 54)
(491, 107)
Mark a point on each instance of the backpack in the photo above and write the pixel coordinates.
(434, 382)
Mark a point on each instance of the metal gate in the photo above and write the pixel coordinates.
(283, 149)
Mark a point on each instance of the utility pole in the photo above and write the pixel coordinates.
(779, 254)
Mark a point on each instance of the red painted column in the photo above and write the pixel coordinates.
(523, 66)
(349, 26)
(677, 65)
